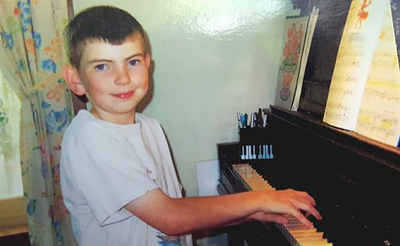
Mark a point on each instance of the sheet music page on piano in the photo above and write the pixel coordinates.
(356, 49)
(379, 116)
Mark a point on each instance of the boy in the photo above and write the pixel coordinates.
(117, 175)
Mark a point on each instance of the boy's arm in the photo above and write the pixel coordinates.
(176, 216)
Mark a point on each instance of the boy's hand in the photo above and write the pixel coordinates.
(264, 217)
(276, 205)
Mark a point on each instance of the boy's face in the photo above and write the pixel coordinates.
(115, 78)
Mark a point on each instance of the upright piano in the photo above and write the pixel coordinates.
(354, 180)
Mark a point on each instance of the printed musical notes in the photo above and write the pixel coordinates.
(338, 111)
(365, 89)
(349, 56)
(381, 125)
(389, 95)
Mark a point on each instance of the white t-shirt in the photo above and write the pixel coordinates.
(104, 166)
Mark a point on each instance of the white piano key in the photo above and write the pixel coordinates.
(243, 155)
(271, 155)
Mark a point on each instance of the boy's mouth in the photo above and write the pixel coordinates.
(123, 95)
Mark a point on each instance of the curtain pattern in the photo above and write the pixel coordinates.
(31, 56)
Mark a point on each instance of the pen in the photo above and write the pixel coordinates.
(265, 120)
(239, 117)
(260, 118)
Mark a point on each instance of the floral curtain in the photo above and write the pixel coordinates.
(31, 56)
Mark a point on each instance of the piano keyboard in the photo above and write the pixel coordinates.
(295, 232)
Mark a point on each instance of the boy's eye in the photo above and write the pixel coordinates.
(101, 67)
(133, 62)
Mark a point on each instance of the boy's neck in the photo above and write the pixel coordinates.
(122, 119)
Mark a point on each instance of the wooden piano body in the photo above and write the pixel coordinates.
(355, 181)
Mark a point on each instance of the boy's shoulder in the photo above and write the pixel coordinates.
(82, 119)
(142, 118)
(83, 123)
(149, 122)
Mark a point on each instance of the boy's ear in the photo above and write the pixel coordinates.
(147, 59)
(71, 77)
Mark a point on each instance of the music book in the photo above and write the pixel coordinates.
(298, 35)
(304, 58)
(364, 95)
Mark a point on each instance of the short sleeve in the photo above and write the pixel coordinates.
(108, 171)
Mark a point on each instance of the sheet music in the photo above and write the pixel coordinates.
(353, 62)
(380, 107)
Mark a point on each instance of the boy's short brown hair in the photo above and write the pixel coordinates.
(107, 23)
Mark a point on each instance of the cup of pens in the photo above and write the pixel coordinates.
(254, 137)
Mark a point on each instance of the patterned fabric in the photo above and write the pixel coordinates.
(31, 56)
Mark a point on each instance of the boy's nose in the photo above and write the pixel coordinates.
(122, 76)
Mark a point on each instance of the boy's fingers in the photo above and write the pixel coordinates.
(277, 218)
(307, 204)
(300, 217)
(303, 208)
(307, 197)
(310, 210)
